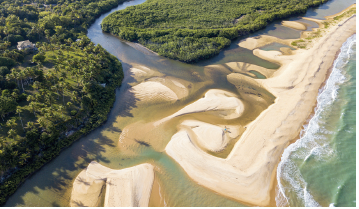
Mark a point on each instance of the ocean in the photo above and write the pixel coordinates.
(319, 169)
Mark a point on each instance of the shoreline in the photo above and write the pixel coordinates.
(286, 85)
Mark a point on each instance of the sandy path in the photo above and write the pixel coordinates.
(247, 174)
(127, 187)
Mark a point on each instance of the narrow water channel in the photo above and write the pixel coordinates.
(52, 185)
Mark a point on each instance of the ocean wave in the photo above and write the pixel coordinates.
(313, 142)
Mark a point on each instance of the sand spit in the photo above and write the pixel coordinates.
(218, 102)
(295, 25)
(127, 187)
(259, 41)
(248, 173)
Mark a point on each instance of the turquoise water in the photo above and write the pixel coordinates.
(320, 168)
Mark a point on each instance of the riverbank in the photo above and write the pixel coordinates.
(248, 173)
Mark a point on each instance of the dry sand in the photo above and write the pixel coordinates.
(294, 25)
(127, 187)
(218, 102)
(210, 137)
(248, 173)
(156, 89)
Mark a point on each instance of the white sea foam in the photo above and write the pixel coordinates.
(312, 142)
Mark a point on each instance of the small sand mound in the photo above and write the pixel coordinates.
(129, 187)
(294, 25)
(178, 86)
(139, 73)
(211, 137)
(218, 102)
(152, 92)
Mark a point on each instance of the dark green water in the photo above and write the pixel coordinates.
(320, 168)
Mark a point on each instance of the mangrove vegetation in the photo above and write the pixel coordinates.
(190, 31)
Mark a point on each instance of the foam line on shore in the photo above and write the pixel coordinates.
(310, 139)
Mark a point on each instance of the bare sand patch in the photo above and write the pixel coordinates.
(218, 102)
(151, 92)
(210, 137)
(127, 187)
(295, 25)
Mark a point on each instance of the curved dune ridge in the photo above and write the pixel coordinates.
(211, 137)
(219, 102)
(295, 25)
(248, 172)
(157, 89)
(128, 187)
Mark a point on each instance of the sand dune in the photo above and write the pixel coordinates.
(294, 25)
(152, 87)
(127, 187)
(248, 172)
(219, 102)
(211, 137)
(151, 91)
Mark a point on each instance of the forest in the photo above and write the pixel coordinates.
(55, 92)
(190, 31)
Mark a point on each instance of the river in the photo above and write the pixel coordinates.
(52, 184)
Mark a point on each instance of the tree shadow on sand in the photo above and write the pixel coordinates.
(57, 176)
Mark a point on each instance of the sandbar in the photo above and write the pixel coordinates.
(128, 187)
(248, 173)
(294, 25)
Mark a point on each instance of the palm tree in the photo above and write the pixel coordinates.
(30, 125)
(11, 123)
(61, 108)
(36, 85)
(19, 110)
(12, 133)
(42, 123)
(32, 106)
(21, 75)
(23, 158)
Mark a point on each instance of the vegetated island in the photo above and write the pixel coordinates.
(190, 31)
(55, 84)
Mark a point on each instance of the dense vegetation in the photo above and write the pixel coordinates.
(189, 30)
(54, 95)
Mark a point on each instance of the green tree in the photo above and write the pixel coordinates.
(39, 58)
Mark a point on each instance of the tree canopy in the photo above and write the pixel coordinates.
(189, 30)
